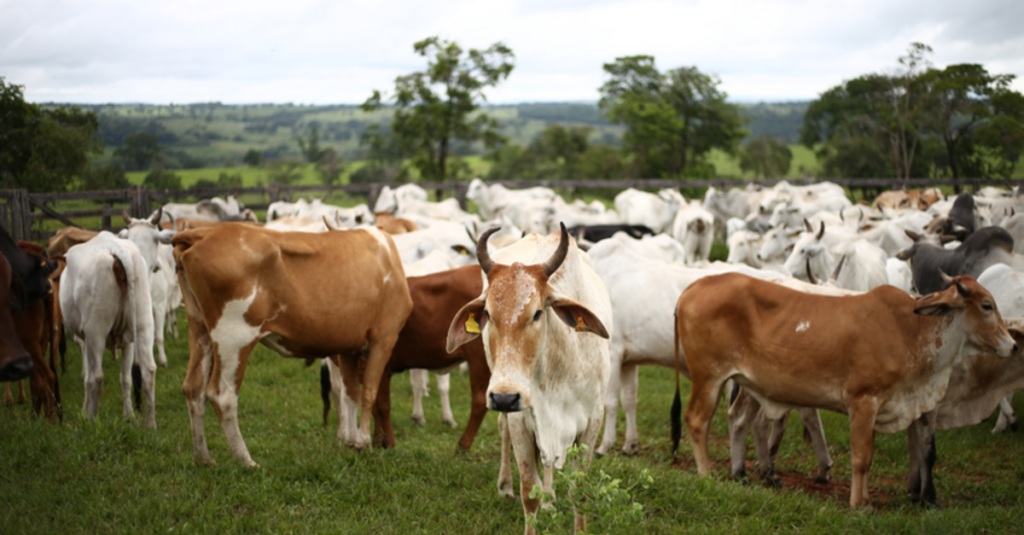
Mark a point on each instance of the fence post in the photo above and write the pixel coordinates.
(105, 216)
(371, 196)
(275, 191)
(142, 205)
(461, 189)
(21, 215)
(3, 218)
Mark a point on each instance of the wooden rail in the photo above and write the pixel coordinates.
(21, 208)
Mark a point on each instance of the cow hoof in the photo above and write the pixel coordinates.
(774, 482)
(631, 449)
(419, 420)
(205, 461)
(451, 423)
(821, 480)
(505, 490)
(1013, 426)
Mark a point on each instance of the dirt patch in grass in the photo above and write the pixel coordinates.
(883, 493)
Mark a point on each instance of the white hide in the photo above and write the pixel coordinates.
(656, 212)
(694, 228)
(661, 247)
(98, 314)
(495, 199)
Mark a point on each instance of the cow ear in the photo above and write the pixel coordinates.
(578, 317)
(164, 236)
(467, 324)
(936, 309)
(123, 234)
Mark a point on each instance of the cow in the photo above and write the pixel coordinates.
(215, 209)
(302, 295)
(494, 199)
(394, 225)
(105, 299)
(694, 228)
(982, 249)
(153, 244)
(15, 361)
(422, 344)
(882, 357)
(542, 317)
(656, 212)
(596, 233)
(35, 330)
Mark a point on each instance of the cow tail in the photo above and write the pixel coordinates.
(677, 405)
(325, 389)
(63, 346)
(137, 385)
(48, 326)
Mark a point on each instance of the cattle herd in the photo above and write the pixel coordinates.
(906, 313)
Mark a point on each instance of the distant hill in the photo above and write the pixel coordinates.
(211, 134)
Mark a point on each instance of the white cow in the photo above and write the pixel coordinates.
(815, 257)
(215, 209)
(391, 200)
(154, 245)
(1007, 287)
(661, 247)
(493, 200)
(656, 212)
(694, 227)
(544, 316)
(450, 237)
(105, 299)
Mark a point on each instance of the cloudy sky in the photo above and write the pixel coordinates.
(321, 52)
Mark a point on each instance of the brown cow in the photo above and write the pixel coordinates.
(422, 344)
(394, 225)
(36, 333)
(881, 357)
(302, 295)
(15, 361)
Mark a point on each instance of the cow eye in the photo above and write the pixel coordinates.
(537, 315)
(987, 306)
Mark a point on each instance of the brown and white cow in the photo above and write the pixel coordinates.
(541, 307)
(302, 295)
(882, 357)
(422, 345)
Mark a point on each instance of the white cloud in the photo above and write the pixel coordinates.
(312, 51)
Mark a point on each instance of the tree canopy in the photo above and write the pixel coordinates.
(43, 149)
(437, 107)
(673, 119)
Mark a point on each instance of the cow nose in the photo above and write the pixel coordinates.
(505, 402)
(17, 370)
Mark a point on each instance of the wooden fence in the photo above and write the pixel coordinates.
(19, 209)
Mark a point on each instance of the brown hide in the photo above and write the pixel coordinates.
(436, 299)
(871, 356)
(14, 359)
(324, 294)
(394, 225)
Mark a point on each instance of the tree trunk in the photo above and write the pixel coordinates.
(951, 153)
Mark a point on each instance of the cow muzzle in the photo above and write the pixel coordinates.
(502, 402)
(17, 370)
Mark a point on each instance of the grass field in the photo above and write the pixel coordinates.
(111, 476)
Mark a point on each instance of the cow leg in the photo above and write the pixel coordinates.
(816, 432)
(158, 335)
(380, 354)
(127, 360)
(742, 414)
(92, 367)
(383, 434)
(348, 398)
(1007, 418)
(444, 387)
(862, 447)
(172, 322)
(630, 386)
(8, 397)
(479, 376)
(420, 389)
(921, 440)
(223, 389)
(147, 368)
(611, 403)
(505, 471)
(699, 411)
(525, 446)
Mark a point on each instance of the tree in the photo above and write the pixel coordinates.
(557, 152)
(766, 157)
(104, 177)
(252, 158)
(310, 148)
(673, 119)
(43, 149)
(140, 151)
(160, 178)
(330, 166)
(436, 107)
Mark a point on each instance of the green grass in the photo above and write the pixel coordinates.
(114, 477)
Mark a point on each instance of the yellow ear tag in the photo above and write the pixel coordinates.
(471, 325)
(580, 325)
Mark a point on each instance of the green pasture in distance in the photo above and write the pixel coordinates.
(111, 476)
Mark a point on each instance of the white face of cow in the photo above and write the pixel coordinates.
(983, 325)
(146, 235)
(523, 323)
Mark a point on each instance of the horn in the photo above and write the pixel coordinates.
(962, 289)
(821, 232)
(127, 218)
(482, 255)
(330, 227)
(842, 217)
(808, 225)
(174, 222)
(946, 279)
(835, 274)
(810, 275)
(157, 216)
(556, 259)
(859, 219)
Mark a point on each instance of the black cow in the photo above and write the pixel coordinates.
(26, 283)
(15, 362)
(596, 233)
(982, 249)
(960, 222)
